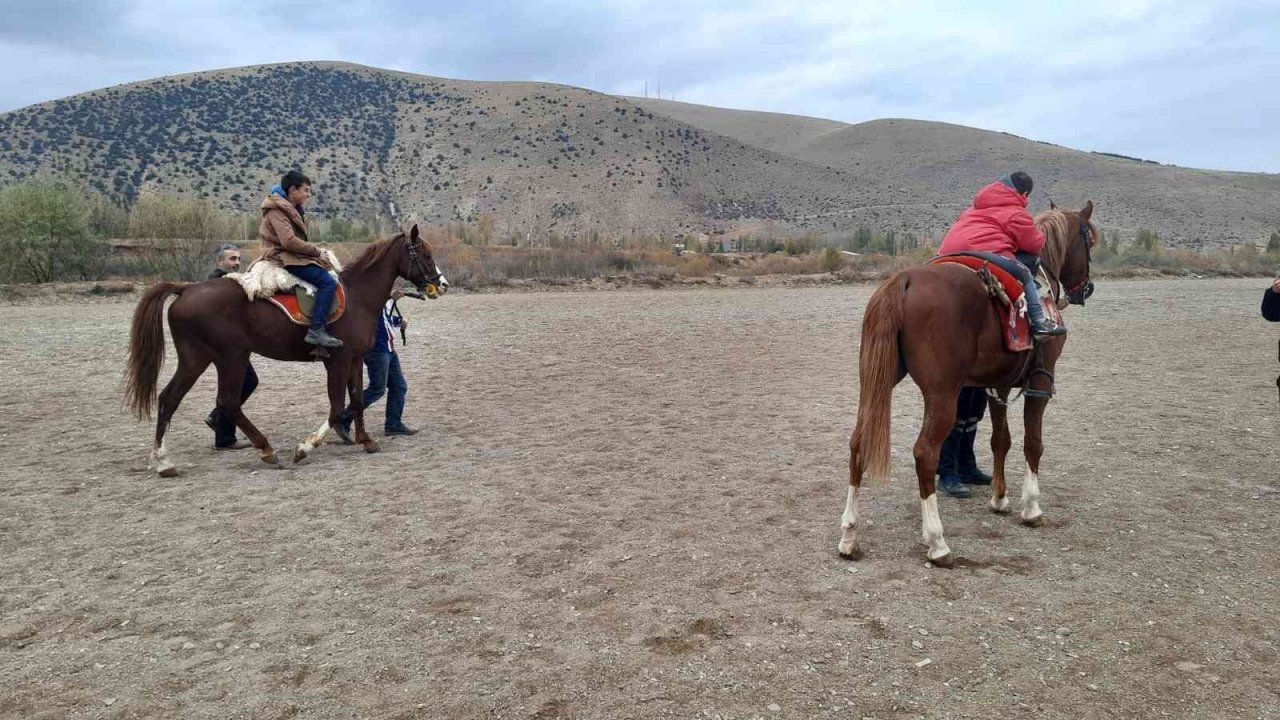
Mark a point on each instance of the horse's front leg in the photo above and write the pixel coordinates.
(1000, 444)
(1033, 448)
(337, 368)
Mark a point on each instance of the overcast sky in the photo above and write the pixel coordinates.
(1196, 84)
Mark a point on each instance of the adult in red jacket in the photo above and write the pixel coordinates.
(999, 228)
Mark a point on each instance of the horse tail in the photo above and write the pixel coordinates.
(146, 348)
(879, 369)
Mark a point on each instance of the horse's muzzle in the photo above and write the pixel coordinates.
(1080, 294)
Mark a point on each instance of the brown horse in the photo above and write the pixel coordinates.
(937, 324)
(214, 322)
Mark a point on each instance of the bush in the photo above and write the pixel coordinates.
(831, 260)
(44, 235)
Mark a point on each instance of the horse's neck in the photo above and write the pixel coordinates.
(370, 288)
(1053, 270)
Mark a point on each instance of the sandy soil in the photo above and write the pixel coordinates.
(626, 505)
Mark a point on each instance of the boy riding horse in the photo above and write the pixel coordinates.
(284, 242)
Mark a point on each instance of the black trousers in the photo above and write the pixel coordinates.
(224, 427)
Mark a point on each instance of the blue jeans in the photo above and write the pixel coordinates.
(326, 289)
(385, 377)
(1034, 309)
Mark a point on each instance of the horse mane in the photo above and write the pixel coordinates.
(1054, 225)
(373, 254)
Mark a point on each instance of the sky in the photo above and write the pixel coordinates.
(1193, 84)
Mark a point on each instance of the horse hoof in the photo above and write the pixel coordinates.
(270, 458)
(170, 471)
(299, 455)
(1035, 522)
(947, 561)
(853, 553)
(372, 447)
(1001, 507)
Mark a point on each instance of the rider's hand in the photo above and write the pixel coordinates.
(1275, 285)
(404, 323)
(397, 294)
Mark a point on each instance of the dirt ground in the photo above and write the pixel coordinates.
(626, 505)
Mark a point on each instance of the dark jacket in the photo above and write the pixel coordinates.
(1271, 305)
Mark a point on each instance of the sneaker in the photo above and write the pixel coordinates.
(953, 486)
(402, 430)
(237, 445)
(344, 432)
(211, 422)
(1047, 328)
(322, 338)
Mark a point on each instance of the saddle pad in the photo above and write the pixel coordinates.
(1013, 315)
(298, 305)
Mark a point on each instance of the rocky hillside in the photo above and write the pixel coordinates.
(542, 159)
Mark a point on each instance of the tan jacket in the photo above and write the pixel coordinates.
(284, 235)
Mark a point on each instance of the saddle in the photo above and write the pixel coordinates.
(293, 296)
(1005, 290)
(300, 304)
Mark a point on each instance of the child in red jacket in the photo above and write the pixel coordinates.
(997, 228)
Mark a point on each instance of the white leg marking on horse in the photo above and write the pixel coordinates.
(161, 455)
(932, 526)
(312, 442)
(1031, 496)
(999, 505)
(849, 523)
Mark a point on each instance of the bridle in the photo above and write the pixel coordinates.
(1083, 291)
(415, 266)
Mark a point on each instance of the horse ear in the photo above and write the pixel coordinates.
(1087, 211)
(1052, 206)
(413, 233)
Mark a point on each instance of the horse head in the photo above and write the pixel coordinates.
(417, 265)
(1077, 255)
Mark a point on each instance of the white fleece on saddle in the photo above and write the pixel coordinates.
(264, 279)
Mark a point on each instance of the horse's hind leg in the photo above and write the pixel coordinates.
(355, 392)
(230, 384)
(1033, 449)
(1000, 443)
(848, 546)
(939, 416)
(191, 364)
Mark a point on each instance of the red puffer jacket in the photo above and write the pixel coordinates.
(998, 223)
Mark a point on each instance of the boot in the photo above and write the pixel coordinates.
(320, 336)
(967, 463)
(949, 481)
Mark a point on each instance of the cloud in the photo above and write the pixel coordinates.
(1174, 82)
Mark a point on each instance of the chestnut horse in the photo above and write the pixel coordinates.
(213, 322)
(937, 324)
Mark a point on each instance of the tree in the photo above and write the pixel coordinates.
(44, 235)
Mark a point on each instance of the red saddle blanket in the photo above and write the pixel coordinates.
(298, 305)
(1013, 313)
